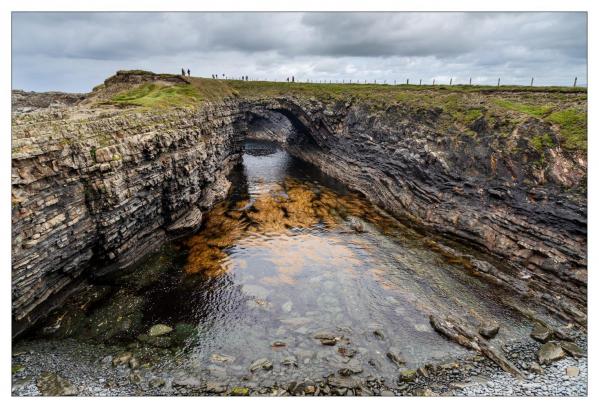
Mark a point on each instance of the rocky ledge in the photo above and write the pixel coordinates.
(499, 176)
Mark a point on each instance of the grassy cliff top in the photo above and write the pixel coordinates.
(561, 107)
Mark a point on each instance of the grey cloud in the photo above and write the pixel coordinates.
(75, 51)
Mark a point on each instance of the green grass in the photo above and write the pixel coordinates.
(461, 104)
(538, 111)
(573, 128)
(572, 122)
(540, 143)
(152, 95)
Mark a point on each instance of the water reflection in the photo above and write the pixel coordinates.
(291, 253)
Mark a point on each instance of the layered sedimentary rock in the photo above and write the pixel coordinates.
(494, 192)
(95, 193)
(95, 188)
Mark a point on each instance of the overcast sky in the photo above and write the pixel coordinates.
(76, 51)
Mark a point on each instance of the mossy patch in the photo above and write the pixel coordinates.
(153, 95)
(542, 142)
(573, 128)
(538, 111)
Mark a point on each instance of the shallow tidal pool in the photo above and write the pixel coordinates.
(293, 276)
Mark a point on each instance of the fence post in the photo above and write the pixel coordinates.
(532, 80)
(575, 79)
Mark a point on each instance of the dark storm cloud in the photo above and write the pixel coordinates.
(74, 51)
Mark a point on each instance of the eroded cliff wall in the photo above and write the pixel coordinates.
(489, 187)
(96, 191)
(96, 186)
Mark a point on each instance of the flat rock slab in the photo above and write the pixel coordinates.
(541, 333)
(550, 352)
(572, 349)
(52, 384)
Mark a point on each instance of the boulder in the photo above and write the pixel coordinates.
(159, 330)
(550, 352)
(52, 384)
(261, 363)
(541, 333)
(395, 355)
(407, 375)
(240, 391)
(489, 330)
(572, 349)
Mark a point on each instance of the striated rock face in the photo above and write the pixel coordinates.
(485, 190)
(96, 188)
(103, 190)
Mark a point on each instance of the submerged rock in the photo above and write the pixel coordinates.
(240, 391)
(261, 363)
(326, 338)
(159, 330)
(160, 341)
(289, 361)
(407, 375)
(222, 358)
(182, 333)
(122, 358)
(394, 354)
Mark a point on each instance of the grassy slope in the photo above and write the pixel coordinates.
(559, 106)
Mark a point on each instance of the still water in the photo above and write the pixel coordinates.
(291, 254)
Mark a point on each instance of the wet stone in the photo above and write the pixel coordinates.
(221, 358)
(550, 352)
(122, 358)
(536, 368)
(216, 387)
(345, 352)
(541, 333)
(240, 391)
(326, 338)
(159, 330)
(52, 384)
(407, 375)
(572, 349)
(289, 361)
(572, 371)
(489, 330)
(156, 382)
(261, 363)
(394, 354)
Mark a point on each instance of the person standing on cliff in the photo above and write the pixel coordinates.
(188, 73)
(183, 71)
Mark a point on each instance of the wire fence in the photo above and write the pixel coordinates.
(420, 82)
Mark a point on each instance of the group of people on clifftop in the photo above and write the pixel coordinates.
(183, 72)
(243, 78)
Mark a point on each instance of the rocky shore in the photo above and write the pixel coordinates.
(70, 367)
